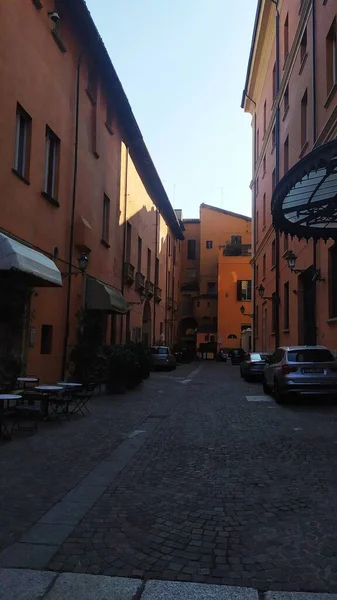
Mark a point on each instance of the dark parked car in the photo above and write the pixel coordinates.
(162, 358)
(222, 355)
(253, 364)
(237, 356)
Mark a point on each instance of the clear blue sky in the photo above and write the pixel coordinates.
(182, 64)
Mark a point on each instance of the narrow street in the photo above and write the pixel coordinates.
(222, 489)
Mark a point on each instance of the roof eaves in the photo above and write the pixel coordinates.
(226, 212)
(251, 52)
(133, 135)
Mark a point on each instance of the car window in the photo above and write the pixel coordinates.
(310, 355)
(161, 350)
(255, 356)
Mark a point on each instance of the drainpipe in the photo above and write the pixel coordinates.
(277, 177)
(314, 126)
(156, 275)
(124, 234)
(71, 240)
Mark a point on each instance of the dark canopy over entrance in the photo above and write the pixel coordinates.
(304, 203)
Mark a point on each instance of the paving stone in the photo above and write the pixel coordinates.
(168, 590)
(17, 584)
(298, 596)
(27, 556)
(47, 533)
(67, 513)
(75, 586)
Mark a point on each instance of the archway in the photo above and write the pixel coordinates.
(147, 324)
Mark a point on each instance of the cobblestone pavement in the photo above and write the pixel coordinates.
(224, 491)
(37, 471)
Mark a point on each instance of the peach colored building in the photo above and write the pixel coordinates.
(76, 182)
(209, 309)
(291, 93)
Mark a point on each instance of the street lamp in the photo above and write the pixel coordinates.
(291, 259)
(83, 262)
(262, 290)
(242, 311)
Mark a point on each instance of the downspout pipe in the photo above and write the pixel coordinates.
(124, 234)
(277, 176)
(314, 125)
(72, 220)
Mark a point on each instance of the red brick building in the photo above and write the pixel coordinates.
(76, 180)
(291, 93)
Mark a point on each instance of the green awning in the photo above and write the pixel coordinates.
(100, 296)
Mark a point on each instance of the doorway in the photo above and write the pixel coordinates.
(307, 334)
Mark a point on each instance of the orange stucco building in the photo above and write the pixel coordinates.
(76, 181)
(290, 91)
(215, 258)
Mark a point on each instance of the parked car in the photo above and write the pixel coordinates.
(253, 364)
(222, 355)
(162, 358)
(300, 370)
(237, 356)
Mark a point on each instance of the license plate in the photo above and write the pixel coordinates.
(313, 370)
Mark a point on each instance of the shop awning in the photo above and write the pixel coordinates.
(18, 257)
(304, 203)
(100, 296)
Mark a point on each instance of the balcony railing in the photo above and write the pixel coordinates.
(169, 303)
(129, 273)
(149, 289)
(140, 282)
(237, 250)
(157, 294)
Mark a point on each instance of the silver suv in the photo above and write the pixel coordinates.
(300, 370)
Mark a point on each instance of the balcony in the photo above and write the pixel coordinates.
(140, 282)
(169, 303)
(149, 289)
(129, 273)
(157, 294)
(237, 250)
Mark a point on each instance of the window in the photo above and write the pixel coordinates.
(273, 137)
(303, 52)
(52, 162)
(22, 142)
(286, 306)
(264, 210)
(128, 242)
(209, 244)
(161, 328)
(244, 290)
(191, 249)
(257, 143)
(257, 275)
(264, 165)
(57, 29)
(174, 254)
(286, 155)
(264, 118)
(156, 272)
(191, 273)
(286, 38)
(236, 240)
(256, 321)
(274, 81)
(92, 83)
(169, 245)
(257, 226)
(331, 57)
(273, 253)
(285, 242)
(273, 312)
(198, 303)
(208, 305)
(46, 339)
(304, 119)
(106, 219)
(257, 186)
(315, 355)
(148, 276)
(273, 179)
(211, 288)
(333, 282)
(187, 304)
(139, 254)
(264, 266)
(286, 101)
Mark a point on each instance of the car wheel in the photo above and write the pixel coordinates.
(279, 397)
(266, 387)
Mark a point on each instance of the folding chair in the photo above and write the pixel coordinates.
(27, 412)
(81, 399)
